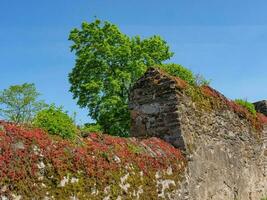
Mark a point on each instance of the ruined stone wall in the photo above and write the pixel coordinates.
(261, 106)
(154, 110)
(225, 152)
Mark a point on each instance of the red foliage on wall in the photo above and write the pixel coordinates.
(258, 121)
(22, 149)
(262, 118)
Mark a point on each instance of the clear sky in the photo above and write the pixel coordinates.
(225, 40)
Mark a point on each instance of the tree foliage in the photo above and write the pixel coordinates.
(108, 62)
(19, 103)
(56, 122)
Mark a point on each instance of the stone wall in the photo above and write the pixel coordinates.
(154, 110)
(226, 153)
(36, 165)
(261, 106)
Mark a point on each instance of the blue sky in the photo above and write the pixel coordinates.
(225, 40)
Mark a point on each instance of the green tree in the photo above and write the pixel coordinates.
(108, 62)
(56, 122)
(19, 103)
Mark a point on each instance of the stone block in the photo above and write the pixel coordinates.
(261, 107)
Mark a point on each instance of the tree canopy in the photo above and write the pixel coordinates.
(108, 62)
(19, 103)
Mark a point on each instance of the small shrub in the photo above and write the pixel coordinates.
(185, 74)
(92, 127)
(56, 122)
(89, 128)
(201, 81)
(249, 106)
(179, 71)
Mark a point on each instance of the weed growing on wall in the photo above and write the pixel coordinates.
(249, 106)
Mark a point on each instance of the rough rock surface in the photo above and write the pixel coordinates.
(261, 106)
(224, 144)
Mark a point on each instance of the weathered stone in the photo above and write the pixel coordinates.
(160, 102)
(150, 108)
(261, 106)
(226, 156)
(18, 146)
